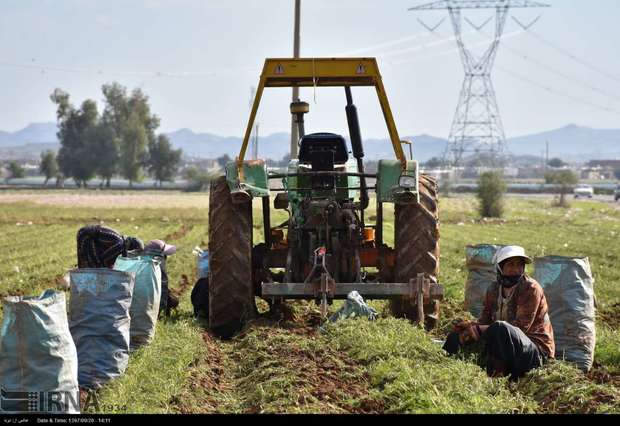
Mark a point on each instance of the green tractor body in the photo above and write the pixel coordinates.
(328, 247)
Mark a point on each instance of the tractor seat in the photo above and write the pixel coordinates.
(319, 144)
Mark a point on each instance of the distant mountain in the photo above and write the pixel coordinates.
(33, 133)
(28, 151)
(208, 145)
(571, 143)
(276, 145)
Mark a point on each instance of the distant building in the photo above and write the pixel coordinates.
(511, 172)
(531, 173)
(440, 174)
(605, 164)
(600, 169)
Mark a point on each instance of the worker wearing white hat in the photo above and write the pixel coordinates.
(514, 324)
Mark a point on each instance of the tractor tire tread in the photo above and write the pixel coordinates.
(231, 293)
(416, 242)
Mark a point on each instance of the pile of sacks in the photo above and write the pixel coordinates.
(47, 355)
(569, 289)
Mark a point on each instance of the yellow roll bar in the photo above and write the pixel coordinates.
(323, 72)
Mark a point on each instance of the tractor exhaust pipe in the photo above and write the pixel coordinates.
(356, 143)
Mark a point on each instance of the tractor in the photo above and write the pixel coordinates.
(329, 246)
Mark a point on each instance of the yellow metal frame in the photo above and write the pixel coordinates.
(323, 72)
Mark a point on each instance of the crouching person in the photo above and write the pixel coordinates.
(99, 246)
(514, 326)
(160, 248)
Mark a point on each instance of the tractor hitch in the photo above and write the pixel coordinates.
(420, 291)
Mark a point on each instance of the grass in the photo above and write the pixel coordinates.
(410, 373)
(561, 388)
(356, 366)
(607, 351)
(155, 372)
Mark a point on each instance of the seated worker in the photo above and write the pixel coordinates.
(514, 324)
(159, 248)
(99, 246)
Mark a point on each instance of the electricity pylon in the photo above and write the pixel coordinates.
(477, 126)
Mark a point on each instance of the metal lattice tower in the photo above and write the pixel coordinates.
(477, 125)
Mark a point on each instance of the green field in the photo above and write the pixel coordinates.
(355, 366)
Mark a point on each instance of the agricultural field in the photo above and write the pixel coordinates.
(287, 365)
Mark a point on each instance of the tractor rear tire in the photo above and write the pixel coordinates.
(231, 293)
(416, 244)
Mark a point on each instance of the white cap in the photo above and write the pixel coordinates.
(507, 252)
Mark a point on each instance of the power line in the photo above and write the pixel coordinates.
(379, 49)
(455, 49)
(556, 92)
(418, 47)
(388, 43)
(212, 73)
(553, 70)
(547, 88)
(565, 52)
(152, 74)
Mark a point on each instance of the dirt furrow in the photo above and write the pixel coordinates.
(276, 367)
(210, 385)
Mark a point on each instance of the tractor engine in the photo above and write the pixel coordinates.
(324, 214)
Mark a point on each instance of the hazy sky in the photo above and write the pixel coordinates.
(198, 59)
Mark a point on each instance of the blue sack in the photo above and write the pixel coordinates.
(202, 265)
(569, 289)
(38, 359)
(99, 322)
(480, 275)
(146, 297)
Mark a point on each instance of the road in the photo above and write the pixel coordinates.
(601, 198)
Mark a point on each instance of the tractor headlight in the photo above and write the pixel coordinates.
(408, 182)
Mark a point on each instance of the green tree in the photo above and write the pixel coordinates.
(197, 178)
(491, 190)
(434, 163)
(284, 161)
(64, 112)
(49, 165)
(15, 171)
(139, 104)
(163, 161)
(133, 150)
(117, 110)
(565, 179)
(556, 163)
(86, 160)
(223, 160)
(132, 125)
(77, 157)
(445, 186)
(106, 149)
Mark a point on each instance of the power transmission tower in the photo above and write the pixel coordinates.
(477, 126)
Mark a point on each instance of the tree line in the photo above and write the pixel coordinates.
(120, 140)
